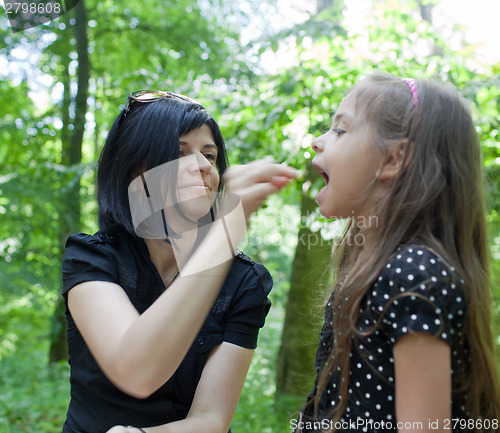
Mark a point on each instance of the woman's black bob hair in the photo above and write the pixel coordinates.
(146, 137)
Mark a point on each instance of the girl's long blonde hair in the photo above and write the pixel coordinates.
(437, 201)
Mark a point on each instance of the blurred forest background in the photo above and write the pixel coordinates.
(271, 72)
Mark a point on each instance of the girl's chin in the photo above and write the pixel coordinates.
(327, 211)
(321, 194)
(326, 214)
(322, 203)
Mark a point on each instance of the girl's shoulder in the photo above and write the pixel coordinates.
(419, 290)
(412, 264)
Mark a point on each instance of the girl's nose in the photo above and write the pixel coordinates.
(317, 144)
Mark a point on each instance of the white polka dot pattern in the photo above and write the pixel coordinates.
(416, 292)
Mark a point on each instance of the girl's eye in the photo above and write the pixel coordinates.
(338, 131)
(210, 156)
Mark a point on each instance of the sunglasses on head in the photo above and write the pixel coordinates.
(154, 95)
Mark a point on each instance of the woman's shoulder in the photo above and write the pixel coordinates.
(245, 292)
(244, 261)
(86, 248)
(98, 238)
(244, 268)
(99, 243)
(91, 258)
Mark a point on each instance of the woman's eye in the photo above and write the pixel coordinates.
(212, 157)
(338, 131)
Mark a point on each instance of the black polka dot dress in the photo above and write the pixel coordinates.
(416, 292)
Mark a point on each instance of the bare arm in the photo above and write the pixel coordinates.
(217, 394)
(423, 383)
(216, 397)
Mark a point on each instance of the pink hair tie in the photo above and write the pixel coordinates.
(412, 84)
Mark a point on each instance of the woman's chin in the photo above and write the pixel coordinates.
(194, 209)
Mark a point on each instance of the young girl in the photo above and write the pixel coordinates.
(407, 342)
(162, 320)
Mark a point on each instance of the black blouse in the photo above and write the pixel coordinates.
(416, 292)
(236, 317)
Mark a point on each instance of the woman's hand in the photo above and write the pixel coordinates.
(122, 429)
(255, 181)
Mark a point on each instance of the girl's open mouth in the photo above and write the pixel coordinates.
(320, 171)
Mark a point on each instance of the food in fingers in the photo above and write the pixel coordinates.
(253, 183)
(261, 171)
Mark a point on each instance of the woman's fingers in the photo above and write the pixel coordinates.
(254, 182)
(259, 171)
(266, 171)
(119, 429)
(280, 181)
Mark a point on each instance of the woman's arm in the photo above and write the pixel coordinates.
(422, 366)
(139, 353)
(216, 396)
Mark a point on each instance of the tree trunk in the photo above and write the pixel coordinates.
(426, 8)
(304, 311)
(323, 4)
(72, 139)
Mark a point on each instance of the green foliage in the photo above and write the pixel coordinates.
(34, 396)
(191, 47)
(33, 399)
(272, 238)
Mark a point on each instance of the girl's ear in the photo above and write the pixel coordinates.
(397, 158)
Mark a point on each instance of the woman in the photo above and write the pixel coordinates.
(162, 320)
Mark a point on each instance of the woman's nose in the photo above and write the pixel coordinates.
(317, 144)
(203, 164)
